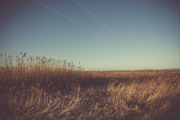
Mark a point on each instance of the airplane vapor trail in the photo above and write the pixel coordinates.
(70, 19)
(96, 18)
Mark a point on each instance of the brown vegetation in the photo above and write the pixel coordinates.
(47, 89)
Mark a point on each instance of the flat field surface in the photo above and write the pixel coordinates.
(33, 91)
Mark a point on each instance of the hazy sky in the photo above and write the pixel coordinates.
(100, 34)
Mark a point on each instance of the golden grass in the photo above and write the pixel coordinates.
(47, 89)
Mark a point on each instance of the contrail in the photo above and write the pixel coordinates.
(96, 18)
(70, 19)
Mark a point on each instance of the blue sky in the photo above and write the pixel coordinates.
(100, 34)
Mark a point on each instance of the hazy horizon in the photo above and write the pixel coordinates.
(101, 35)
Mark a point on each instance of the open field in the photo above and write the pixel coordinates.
(45, 89)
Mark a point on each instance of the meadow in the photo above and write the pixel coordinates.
(37, 88)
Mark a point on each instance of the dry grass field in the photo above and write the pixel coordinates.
(45, 89)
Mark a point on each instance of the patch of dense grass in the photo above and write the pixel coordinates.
(41, 88)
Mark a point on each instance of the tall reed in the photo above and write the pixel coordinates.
(40, 88)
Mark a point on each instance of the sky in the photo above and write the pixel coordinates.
(100, 34)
